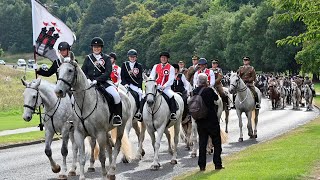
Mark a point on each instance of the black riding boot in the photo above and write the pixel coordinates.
(173, 108)
(138, 116)
(256, 99)
(117, 118)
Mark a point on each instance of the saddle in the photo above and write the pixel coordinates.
(135, 96)
(167, 99)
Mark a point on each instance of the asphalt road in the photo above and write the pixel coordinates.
(30, 162)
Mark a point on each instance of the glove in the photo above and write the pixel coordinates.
(93, 82)
(35, 66)
(126, 86)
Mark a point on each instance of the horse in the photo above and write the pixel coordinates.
(139, 128)
(156, 116)
(58, 118)
(93, 115)
(245, 102)
(274, 95)
(308, 96)
(296, 96)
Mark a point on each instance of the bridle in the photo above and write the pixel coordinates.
(237, 85)
(73, 79)
(33, 108)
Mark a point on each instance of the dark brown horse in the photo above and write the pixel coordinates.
(274, 96)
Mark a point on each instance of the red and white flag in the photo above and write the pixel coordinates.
(42, 18)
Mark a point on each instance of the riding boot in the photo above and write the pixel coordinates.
(256, 99)
(138, 115)
(173, 108)
(117, 118)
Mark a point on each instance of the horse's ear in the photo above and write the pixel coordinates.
(24, 82)
(37, 82)
(145, 77)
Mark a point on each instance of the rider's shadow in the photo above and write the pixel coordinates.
(243, 144)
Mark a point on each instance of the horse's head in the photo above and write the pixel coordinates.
(151, 90)
(67, 76)
(31, 97)
(234, 83)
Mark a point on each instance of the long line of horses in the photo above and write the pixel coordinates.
(84, 118)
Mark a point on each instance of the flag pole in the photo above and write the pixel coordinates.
(35, 60)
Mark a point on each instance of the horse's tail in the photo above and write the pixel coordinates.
(126, 147)
(87, 145)
(253, 117)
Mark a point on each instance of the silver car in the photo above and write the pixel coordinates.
(2, 62)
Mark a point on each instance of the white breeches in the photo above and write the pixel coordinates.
(113, 91)
(136, 89)
(168, 91)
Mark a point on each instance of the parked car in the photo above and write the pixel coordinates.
(31, 62)
(2, 62)
(21, 62)
(44, 67)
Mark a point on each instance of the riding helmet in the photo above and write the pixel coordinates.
(132, 52)
(97, 41)
(164, 53)
(64, 45)
(202, 61)
(114, 55)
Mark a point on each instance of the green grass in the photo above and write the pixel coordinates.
(13, 120)
(294, 155)
(23, 137)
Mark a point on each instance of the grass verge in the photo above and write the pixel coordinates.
(12, 120)
(294, 155)
(21, 138)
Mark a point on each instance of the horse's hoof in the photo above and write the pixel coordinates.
(143, 153)
(90, 169)
(255, 136)
(125, 160)
(193, 155)
(111, 177)
(187, 148)
(240, 139)
(226, 131)
(173, 162)
(56, 169)
(251, 136)
(155, 167)
(72, 173)
(62, 177)
(139, 157)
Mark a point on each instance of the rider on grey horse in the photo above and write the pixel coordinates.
(203, 69)
(308, 82)
(97, 67)
(131, 74)
(248, 74)
(165, 75)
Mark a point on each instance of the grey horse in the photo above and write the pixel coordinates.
(296, 96)
(308, 97)
(58, 118)
(245, 102)
(156, 115)
(93, 115)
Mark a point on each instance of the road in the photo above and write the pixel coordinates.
(30, 162)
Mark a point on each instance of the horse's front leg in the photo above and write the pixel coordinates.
(141, 151)
(176, 141)
(55, 167)
(92, 142)
(194, 137)
(240, 125)
(227, 120)
(79, 139)
(64, 151)
(155, 164)
(117, 146)
(102, 140)
(72, 171)
(249, 125)
(256, 115)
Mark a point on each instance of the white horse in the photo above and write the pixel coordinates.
(156, 116)
(296, 96)
(308, 97)
(58, 118)
(245, 102)
(140, 128)
(93, 115)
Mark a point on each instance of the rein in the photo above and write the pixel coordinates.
(240, 90)
(153, 112)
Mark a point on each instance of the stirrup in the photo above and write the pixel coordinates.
(173, 116)
(116, 120)
(258, 106)
(138, 116)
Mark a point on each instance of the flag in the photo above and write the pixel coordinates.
(43, 20)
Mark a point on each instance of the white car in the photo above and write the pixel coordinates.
(2, 62)
(21, 62)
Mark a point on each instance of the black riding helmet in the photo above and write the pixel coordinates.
(114, 55)
(64, 45)
(97, 41)
(132, 52)
(202, 61)
(165, 54)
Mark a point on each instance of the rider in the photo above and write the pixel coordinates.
(308, 82)
(218, 86)
(248, 74)
(131, 73)
(65, 55)
(165, 77)
(182, 69)
(180, 84)
(203, 69)
(97, 67)
(116, 70)
(192, 69)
